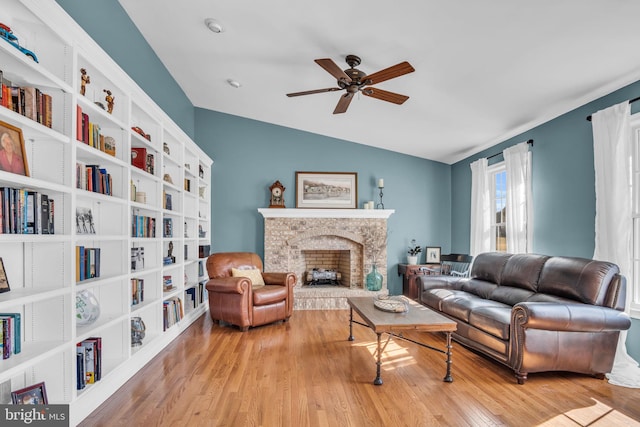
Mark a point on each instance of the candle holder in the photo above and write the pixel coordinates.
(380, 205)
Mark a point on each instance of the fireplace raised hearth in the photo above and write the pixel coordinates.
(342, 240)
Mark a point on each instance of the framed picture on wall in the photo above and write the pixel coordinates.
(13, 156)
(4, 282)
(327, 190)
(433, 254)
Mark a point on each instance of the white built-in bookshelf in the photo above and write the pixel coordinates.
(43, 270)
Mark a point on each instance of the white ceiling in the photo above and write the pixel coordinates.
(485, 70)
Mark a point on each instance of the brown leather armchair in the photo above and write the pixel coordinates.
(237, 300)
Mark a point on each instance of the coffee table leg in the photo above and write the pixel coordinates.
(378, 380)
(351, 324)
(448, 378)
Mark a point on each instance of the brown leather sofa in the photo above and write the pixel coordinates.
(535, 313)
(237, 300)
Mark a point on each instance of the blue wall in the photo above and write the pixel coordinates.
(110, 26)
(563, 187)
(563, 164)
(250, 155)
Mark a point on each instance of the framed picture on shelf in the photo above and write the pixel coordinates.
(327, 190)
(433, 254)
(84, 221)
(13, 156)
(4, 282)
(32, 395)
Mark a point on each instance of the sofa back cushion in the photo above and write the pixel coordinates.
(523, 271)
(579, 279)
(488, 266)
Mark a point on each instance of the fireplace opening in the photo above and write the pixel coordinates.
(324, 267)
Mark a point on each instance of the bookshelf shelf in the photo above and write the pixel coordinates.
(79, 143)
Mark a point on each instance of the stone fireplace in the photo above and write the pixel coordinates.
(346, 240)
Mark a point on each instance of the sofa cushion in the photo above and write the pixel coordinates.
(269, 294)
(488, 266)
(460, 304)
(523, 271)
(510, 295)
(478, 287)
(578, 279)
(492, 319)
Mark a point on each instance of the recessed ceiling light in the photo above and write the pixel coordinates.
(233, 83)
(213, 25)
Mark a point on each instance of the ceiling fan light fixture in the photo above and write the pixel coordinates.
(213, 25)
(234, 83)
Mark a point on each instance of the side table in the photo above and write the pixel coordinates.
(410, 273)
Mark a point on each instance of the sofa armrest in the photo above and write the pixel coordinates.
(283, 279)
(568, 317)
(229, 285)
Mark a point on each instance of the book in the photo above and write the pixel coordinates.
(16, 330)
(81, 379)
(98, 356)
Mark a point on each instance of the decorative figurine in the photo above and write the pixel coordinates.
(84, 81)
(165, 148)
(277, 195)
(109, 98)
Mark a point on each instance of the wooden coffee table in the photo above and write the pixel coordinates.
(417, 318)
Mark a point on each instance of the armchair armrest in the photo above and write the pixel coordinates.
(229, 285)
(568, 317)
(283, 279)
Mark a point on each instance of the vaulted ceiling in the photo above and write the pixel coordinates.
(484, 70)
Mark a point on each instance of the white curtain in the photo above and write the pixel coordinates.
(519, 212)
(612, 162)
(480, 208)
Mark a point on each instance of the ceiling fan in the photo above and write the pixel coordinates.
(353, 81)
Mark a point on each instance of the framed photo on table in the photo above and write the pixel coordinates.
(13, 156)
(327, 190)
(433, 254)
(32, 395)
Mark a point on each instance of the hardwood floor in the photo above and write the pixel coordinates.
(306, 373)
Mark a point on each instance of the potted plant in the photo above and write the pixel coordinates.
(414, 251)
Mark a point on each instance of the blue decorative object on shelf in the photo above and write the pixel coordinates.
(7, 34)
(374, 280)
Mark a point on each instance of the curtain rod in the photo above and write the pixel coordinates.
(530, 142)
(630, 102)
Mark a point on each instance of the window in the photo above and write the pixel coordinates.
(498, 190)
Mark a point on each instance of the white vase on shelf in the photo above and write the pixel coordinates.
(412, 259)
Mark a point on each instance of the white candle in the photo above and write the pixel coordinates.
(381, 183)
(370, 203)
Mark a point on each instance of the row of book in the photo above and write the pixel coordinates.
(87, 263)
(27, 101)
(194, 296)
(93, 178)
(90, 134)
(10, 338)
(143, 226)
(88, 362)
(172, 312)
(166, 201)
(143, 160)
(137, 291)
(24, 211)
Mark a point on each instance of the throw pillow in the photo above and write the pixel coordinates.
(254, 275)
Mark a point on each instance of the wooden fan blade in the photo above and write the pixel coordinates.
(384, 95)
(333, 69)
(310, 92)
(389, 73)
(343, 103)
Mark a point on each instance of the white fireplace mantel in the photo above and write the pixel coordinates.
(326, 213)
